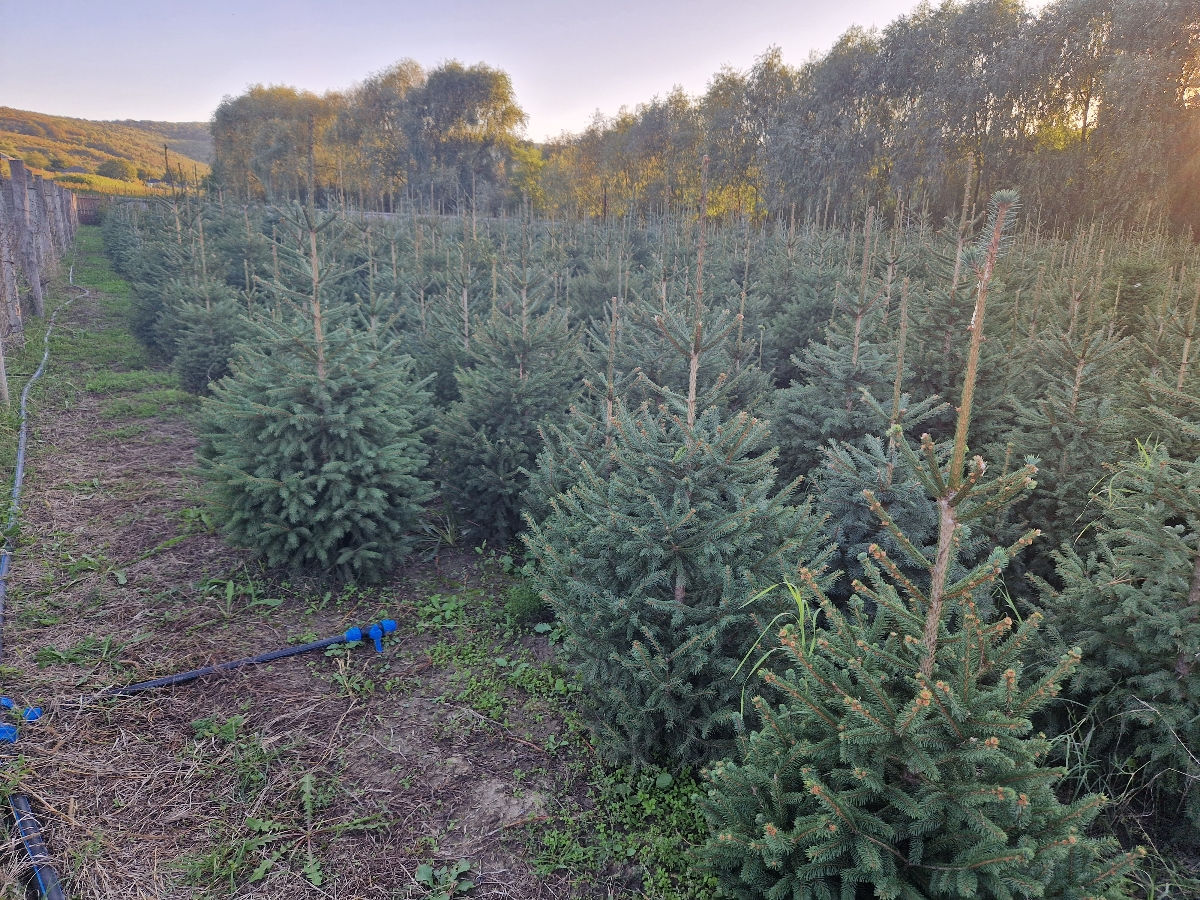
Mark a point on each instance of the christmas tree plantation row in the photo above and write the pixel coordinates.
(633, 408)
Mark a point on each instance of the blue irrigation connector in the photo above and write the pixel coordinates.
(6, 703)
(31, 713)
(8, 734)
(387, 626)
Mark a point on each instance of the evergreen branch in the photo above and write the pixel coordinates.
(746, 424)
(901, 538)
(919, 704)
(880, 653)
(1050, 684)
(931, 465)
(884, 598)
(1003, 204)
(947, 526)
(981, 575)
(875, 687)
(1126, 862)
(978, 467)
(880, 556)
(775, 681)
(946, 714)
(969, 620)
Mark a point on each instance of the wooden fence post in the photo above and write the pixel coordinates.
(49, 194)
(66, 209)
(72, 213)
(26, 239)
(10, 299)
(42, 226)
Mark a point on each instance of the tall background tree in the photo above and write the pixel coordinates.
(445, 136)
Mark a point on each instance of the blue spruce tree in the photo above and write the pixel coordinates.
(313, 445)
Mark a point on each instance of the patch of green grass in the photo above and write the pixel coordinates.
(12, 774)
(91, 651)
(92, 268)
(483, 693)
(236, 593)
(649, 820)
(97, 349)
(634, 833)
(349, 678)
(39, 616)
(138, 380)
(92, 849)
(461, 655)
(238, 751)
(536, 679)
(91, 486)
(150, 405)
(120, 433)
(440, 611)
(286, 832)
(10, 426)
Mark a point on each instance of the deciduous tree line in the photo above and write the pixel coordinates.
(1089, 107)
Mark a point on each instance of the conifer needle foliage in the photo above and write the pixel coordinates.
(523, 375)
(1133, 604)
(669, 526)
(313, 445)
(650, 566)
(898, 760)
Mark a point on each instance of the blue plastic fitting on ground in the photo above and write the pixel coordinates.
(376, 634)
(354, 634)
(389, 625)
(8, 734)
(6, 703)
(31, 713)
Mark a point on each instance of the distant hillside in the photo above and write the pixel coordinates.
(76, 151)
(190, 139)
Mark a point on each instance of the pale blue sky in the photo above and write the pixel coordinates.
(174, 61)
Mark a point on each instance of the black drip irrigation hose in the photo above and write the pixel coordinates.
(27, 826)
(35, 847)
(375, 633)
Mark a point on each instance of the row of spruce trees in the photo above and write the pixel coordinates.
(704, 435)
